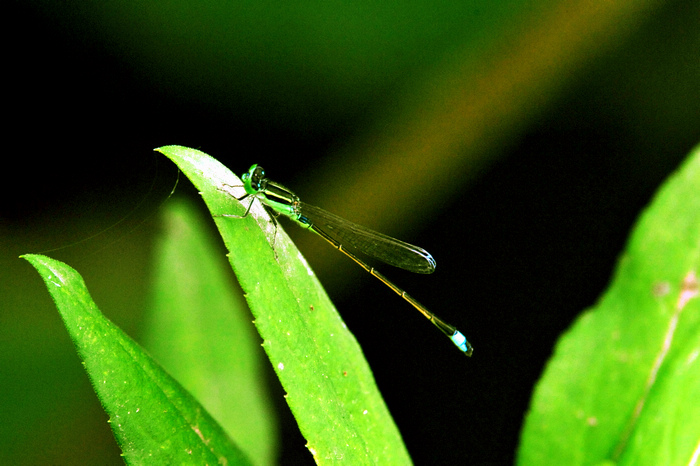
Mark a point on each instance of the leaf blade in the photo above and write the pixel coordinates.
(199, 329)
(330, 387)
(152, 417)
(612, 367)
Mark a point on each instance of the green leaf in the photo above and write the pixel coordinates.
(153, 418)
(624, 382)
(330, 388)
(200, 330)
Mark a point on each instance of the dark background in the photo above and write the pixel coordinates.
(517, 142)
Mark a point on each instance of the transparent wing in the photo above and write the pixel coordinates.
(372, 243)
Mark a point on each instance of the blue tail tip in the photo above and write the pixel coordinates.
(461, 341)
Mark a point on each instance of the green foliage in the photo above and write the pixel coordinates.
(199, 328)
(153, 418)
(624, 382)
(330, 388)
(622, 385)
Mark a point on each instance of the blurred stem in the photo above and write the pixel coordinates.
(451, 122)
